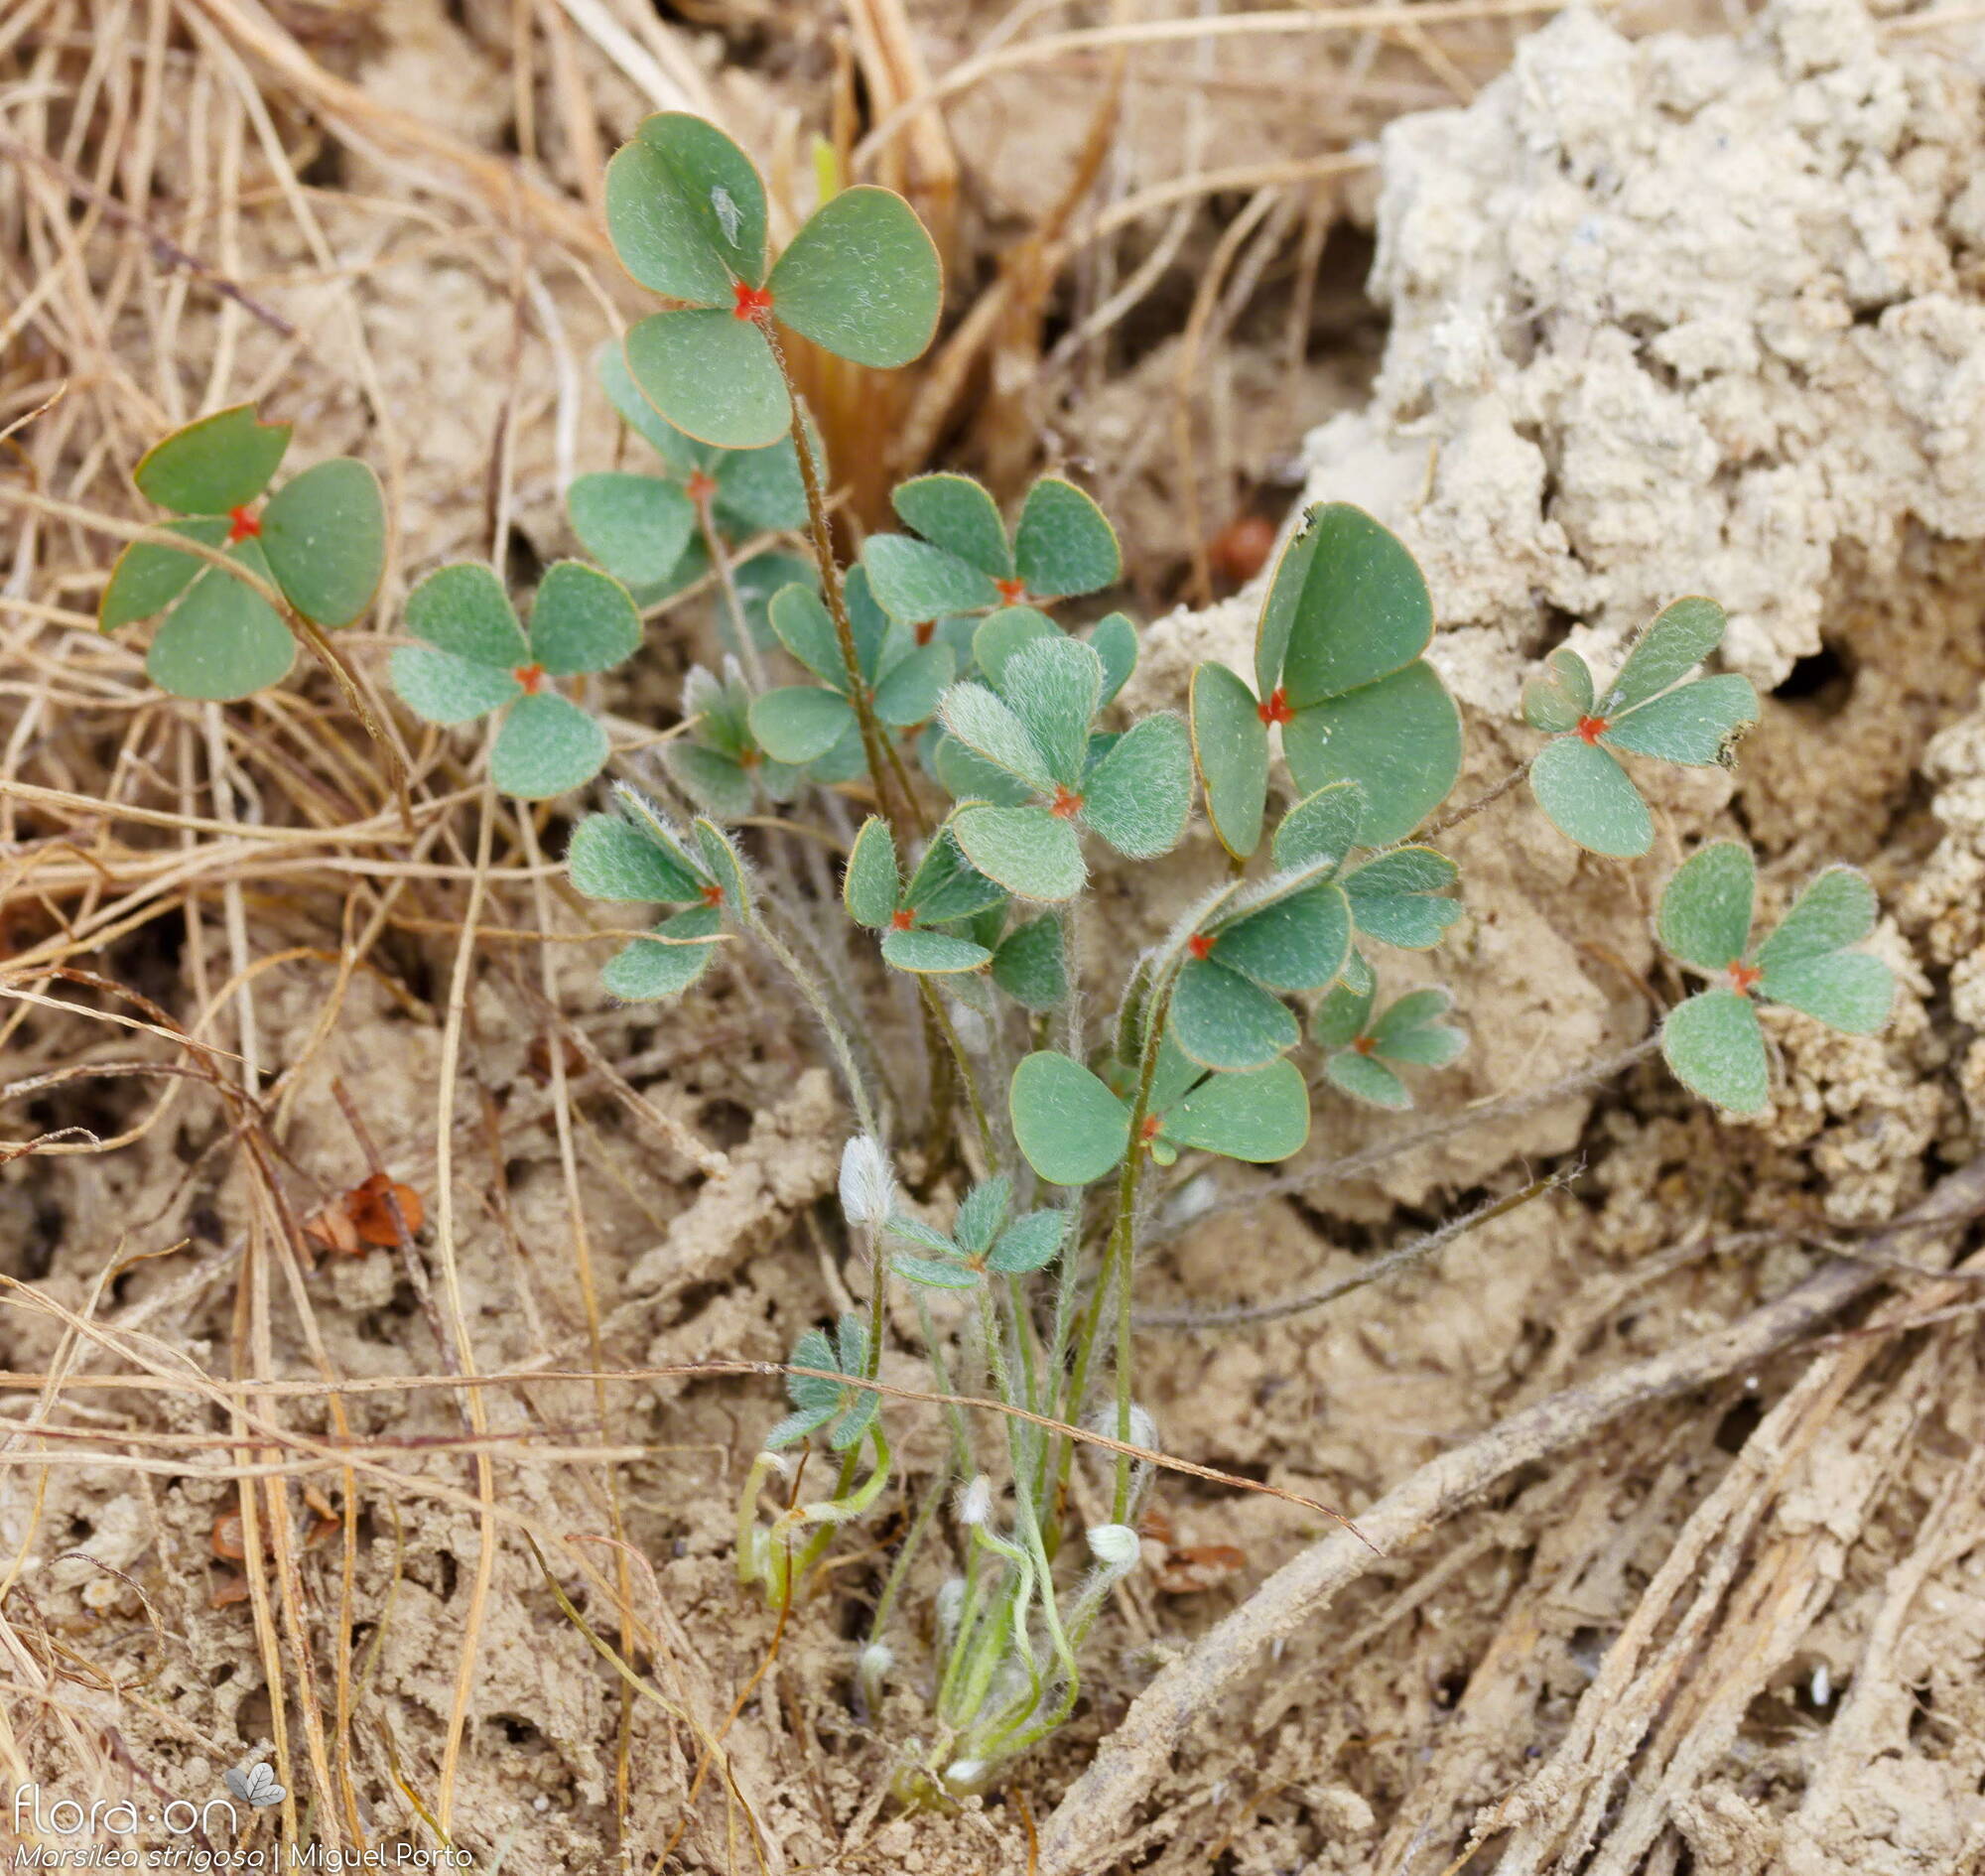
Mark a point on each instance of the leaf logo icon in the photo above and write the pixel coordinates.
(254, 1785)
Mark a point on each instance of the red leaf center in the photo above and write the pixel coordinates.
(713, 895)
(1200, 945)
(1277, 708)
(1149, 1130)
(901, 921)
(700, 487)
(1591, 729)
(1012, 592)
(1363, 1045)
(1066, 805)
(531, 677)
(1743, 976)
(245, 525)
(922, 633)
(750, 301)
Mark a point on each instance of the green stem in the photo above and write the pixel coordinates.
(817, 1002)
(941, 1018)
(874, 743)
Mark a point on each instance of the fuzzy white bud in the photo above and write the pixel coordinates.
(867, 1185)
(964, 1775)
(1193, 1199)
(975, 1502)
(1114, 1547)
(950, 1602)
(1144, 1429)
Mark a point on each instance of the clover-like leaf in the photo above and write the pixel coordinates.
(1260, 1115)
(1705, 911)
(611, 858)
(1028, 965)
(1030, 1242)
(1716, 1050)
(1138, 797)
(1712, 1041)
(1590, 799)
(582, 619)
(1336, 658)
(1114, 639)
(821, 1399)
(148, 577)
(1680, 636)
(958, 516)
(1230, 747)
(988, 727)
(932, 953)
(981, 1214)
(909, 692)
(1064, 544)
(1030, 851)
(800, 723)
(666, 964)
(915, 581)
(1647, 710)
(872, 885)
(324, 535)
(1364, 1053)
(710, 375)
(1296, 941)
(721, 862)
(474, 657)
(1052, 686)
(686, 210)
(1320, 828)
(862, 279)
(463, 609)
(1067, 1124)
(636, 526)
(1562, 695)
(224, 640)
(945, 887)
(547, 747)
(440, 688)
(214, 464)
(1395, 897)
(1223, 1020)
